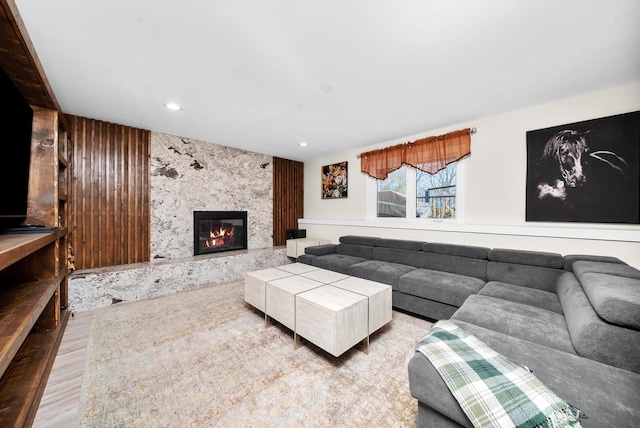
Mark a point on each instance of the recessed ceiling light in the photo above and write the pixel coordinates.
(326, 87)
(303, 144)
(173, 106)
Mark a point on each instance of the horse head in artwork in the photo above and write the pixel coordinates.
(568, 152)
(567, 147)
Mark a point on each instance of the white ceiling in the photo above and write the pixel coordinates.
(249, 73)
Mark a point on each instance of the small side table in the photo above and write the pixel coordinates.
(295, 247)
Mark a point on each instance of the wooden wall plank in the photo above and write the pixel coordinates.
(288, 197)
(110, 189)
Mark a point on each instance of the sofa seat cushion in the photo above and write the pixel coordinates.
(336, 262)
(444, 287)
(526, 322)
(425, 308)
(593, 337)
(529, 296)
(615, 299)
(607, 394)
(384, 272)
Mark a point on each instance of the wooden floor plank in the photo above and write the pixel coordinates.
(59, 404)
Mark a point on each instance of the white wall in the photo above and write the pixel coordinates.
(495, 181)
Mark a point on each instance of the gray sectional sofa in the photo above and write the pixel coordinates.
(574, 320)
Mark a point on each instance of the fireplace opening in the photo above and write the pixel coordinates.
(217, 231)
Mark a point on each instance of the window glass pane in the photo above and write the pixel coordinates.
(436, 194)
(392, 194)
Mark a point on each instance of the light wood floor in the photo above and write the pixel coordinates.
(59, 404)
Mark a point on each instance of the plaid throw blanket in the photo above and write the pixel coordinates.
(492, 390)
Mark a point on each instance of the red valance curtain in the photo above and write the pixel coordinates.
(429, 154)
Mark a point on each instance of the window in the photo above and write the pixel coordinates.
(392, 194)
(437, 196)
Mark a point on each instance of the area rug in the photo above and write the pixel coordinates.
(203, 358)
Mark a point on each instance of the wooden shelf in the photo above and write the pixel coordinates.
(21, 308)
(23, 383)
(14, 247)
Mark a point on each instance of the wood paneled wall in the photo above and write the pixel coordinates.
(110, 213)
(288, 197)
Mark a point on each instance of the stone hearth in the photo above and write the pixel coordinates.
(96, 288)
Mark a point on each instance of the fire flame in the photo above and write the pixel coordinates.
(218, 237)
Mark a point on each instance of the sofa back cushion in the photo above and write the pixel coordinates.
(457, 250)
(524, 275)
(362, 251)
(531, 258)
(400, 244)
(533, 269)
(395, 255)
(420, 259)
(358, 240)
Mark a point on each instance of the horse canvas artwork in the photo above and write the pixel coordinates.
(585, 172)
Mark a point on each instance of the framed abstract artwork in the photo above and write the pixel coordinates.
(334, 181)
(585, 171)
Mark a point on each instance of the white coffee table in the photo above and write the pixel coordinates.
(330, 309)
(379, 296)
(280, 299)
(254, 285)
(331, 318)
(324, 276)
(297, 268)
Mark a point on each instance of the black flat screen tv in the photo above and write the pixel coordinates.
(16, 120)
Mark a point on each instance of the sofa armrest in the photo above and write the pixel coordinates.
(321, 250)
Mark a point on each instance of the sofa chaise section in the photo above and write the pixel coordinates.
(609, 395)
(585, 350)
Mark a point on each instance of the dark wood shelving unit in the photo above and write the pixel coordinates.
(32, 320)
(33, 266)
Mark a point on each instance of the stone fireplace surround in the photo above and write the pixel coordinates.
(219, 231)
(187, 176)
